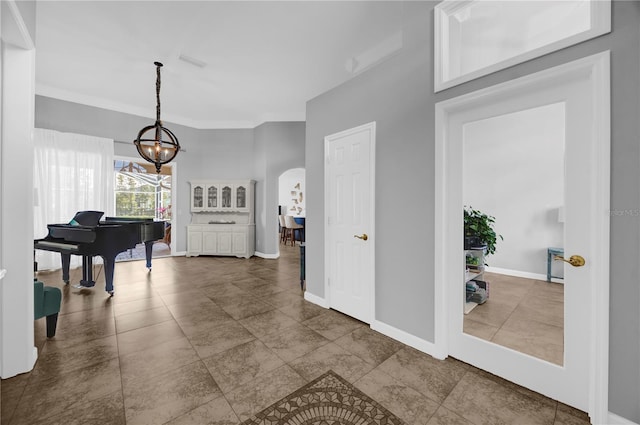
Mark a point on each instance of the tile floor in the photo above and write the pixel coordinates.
(213, 340)
(524, 314)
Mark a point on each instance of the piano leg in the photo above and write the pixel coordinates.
(66, 261)
(148, 250)
(109, 265)
(87, 272)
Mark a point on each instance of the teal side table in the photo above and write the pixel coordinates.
(552, 252)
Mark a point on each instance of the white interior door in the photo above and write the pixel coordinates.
(349, 247)
(582, 87)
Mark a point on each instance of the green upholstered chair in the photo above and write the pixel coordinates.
(46, 303)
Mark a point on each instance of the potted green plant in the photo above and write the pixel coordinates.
(478, 230)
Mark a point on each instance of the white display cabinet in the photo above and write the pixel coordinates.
(222, 218)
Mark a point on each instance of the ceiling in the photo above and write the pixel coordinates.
(255, 61)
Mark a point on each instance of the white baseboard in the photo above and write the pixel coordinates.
(267, 256)
(408, 339)
(395, 333)
(619, 420)
(518, 273)
(257, 254)
(315, 299)
(34, 358)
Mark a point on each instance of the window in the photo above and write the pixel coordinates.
(475, 38)
(140, 191)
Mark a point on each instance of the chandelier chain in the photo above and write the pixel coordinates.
(158, 92)
(156, 150)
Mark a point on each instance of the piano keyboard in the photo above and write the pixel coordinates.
(67, 246)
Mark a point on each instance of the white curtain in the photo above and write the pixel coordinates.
(72, 172)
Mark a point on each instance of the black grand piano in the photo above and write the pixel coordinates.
(87, 236)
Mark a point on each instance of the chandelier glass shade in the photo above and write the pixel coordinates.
(156, 143)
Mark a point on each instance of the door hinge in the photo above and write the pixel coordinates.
(328, 281)
(329, 221)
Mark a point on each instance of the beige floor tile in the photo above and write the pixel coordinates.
(148, 337)
(294, 342)
(140, 319)
(172, 285)
(534, 326)
(534, 338)
(267, 323)
(302, 310)
(478, 329)
(516, 388)
(11, 391)
(542, 309)
(216, 412)
(67, 392)
(134, 291)
(331, 357)
(283, 299)
(401, 400)
(107, 410)
(199, 320)
(266, 290)
(83, 326)
(227, 294)
(254, 396)
(332, 325)
(241, 364)
(193, 296)
(369, 345)
(483, 401)
(247, 307)
(153, 353)
(54, 361)
(566, 415)
(156, 360)
(493, 312)
(219, 338)
(169, 395)
(444, 416)
(431, 377)
(133, 306)
(249, 284)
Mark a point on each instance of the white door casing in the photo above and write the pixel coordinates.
(583, 85)
(349, 210)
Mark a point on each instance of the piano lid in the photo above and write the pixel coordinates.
(87, 218)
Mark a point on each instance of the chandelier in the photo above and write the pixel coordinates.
(158, 150)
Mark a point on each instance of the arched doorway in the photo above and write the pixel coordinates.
(292, 196)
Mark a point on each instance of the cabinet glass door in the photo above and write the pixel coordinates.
(212, 197)
(198, 193)
(226, 197)
(241, 197)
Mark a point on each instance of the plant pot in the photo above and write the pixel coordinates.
(472, 242)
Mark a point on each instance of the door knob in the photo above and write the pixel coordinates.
(574, 260)
(364, 236)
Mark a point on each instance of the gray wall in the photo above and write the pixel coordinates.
(399, 96)
(283, 147)
(209, 154)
